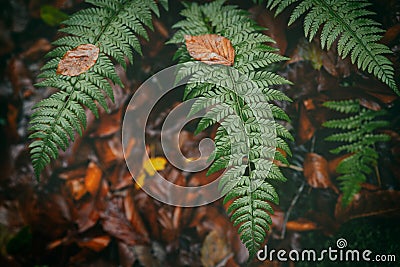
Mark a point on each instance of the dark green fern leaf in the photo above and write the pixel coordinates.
(113, 26)
(348, 22)
(359, 137)
(240, 99)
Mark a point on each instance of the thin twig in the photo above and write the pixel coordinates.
(292, 204)
(290, 166)
(312, 144)
(378, 176)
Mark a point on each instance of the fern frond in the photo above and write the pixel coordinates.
(111, 25)
(359, 140)
(240, 100)
(347, 22)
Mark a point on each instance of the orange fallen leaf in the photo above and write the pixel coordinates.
(93, 178)
(301, 225)
(78, 60)
(56, 243)
(108, 124)
(210, 49)
(309, 104)
(97, 244)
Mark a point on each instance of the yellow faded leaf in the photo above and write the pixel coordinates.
(140, 180)
(154, 164)
(150, 167)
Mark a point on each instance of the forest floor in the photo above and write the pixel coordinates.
(87, 211)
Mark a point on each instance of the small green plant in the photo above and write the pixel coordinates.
(348, 22)
(113, 27)
(250, 208)
(359, 133)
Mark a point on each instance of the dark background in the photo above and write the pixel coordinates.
(86, 211)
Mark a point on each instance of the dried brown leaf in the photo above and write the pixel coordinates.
(215, 249)
(133, 215)
(127, 255)
(86, 215)
(116, 224)
(147, 207)
(78, 60)
(77, 188)
(333, 163)
(109, 151)
(391, 34)
(37, 50)
(370, 104)
(306, 129)
(370, 203)
(316, 172)
(276, 26)
(211, 49)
